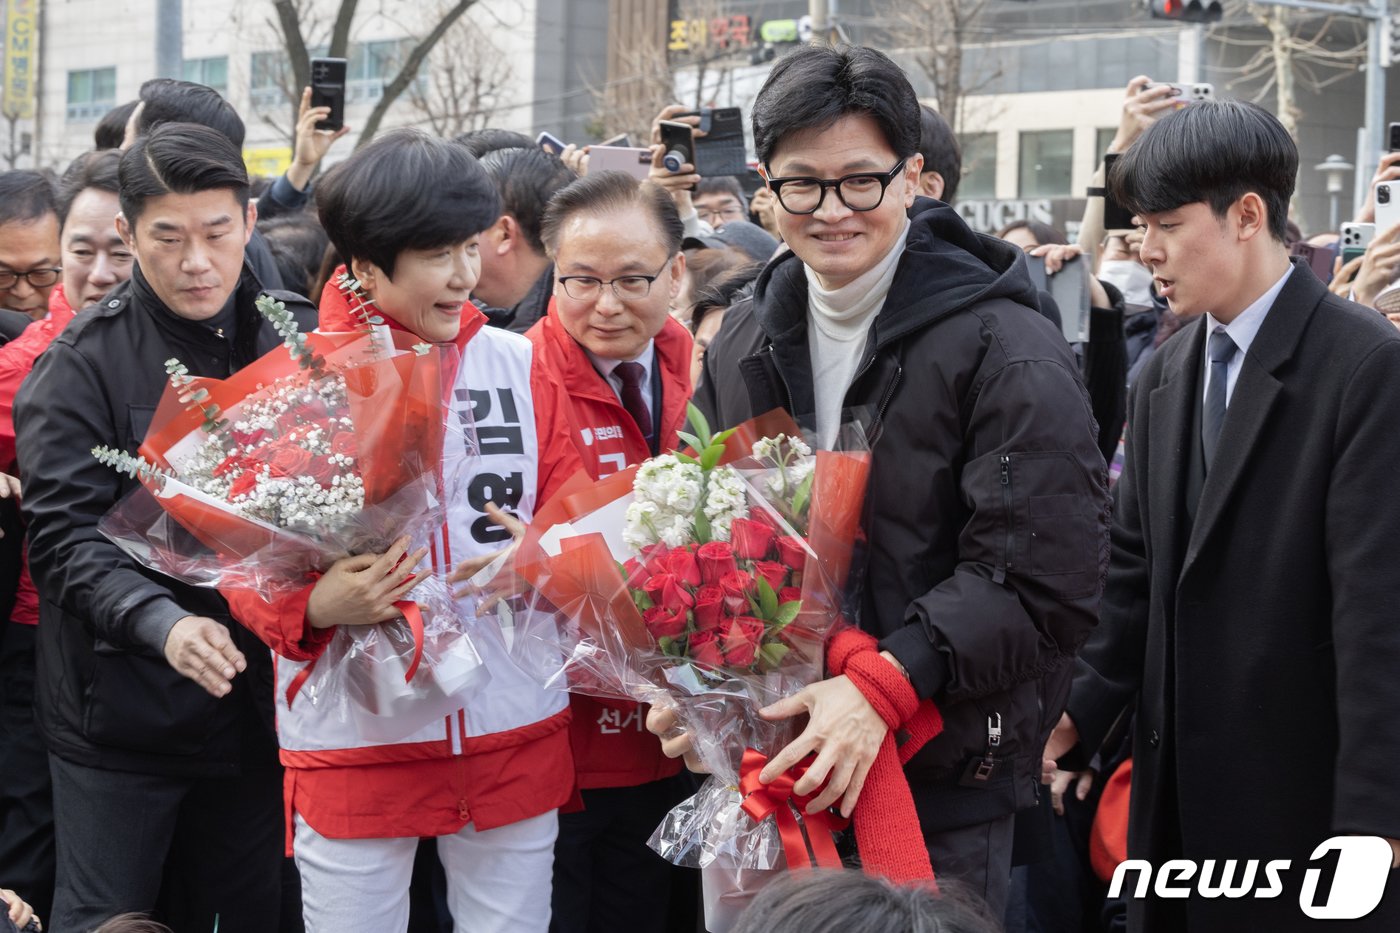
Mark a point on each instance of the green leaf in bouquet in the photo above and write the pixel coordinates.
(773, 654)
(686, 458)
(703, 531)
(711, 457)
(664, 643)
(722, 437)
(692, 440)
(767, 598)
(803, 495)
(643, 601)
(786, 613)
(701, 425)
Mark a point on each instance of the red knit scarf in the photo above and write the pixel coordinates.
(886, 823)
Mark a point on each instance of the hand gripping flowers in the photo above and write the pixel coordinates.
(708, 581)
(328, 447)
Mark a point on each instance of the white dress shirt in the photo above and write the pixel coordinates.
(1242, 331)
(608, 368)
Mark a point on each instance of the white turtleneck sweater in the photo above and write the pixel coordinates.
(838, 322)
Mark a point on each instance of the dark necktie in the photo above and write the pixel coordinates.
(633, 395)
(1220, 350)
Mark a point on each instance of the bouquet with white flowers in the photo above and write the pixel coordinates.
(330, 447)
(707, 581)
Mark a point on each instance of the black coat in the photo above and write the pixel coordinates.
(105, 699)
(1261, 639)
(987, 511)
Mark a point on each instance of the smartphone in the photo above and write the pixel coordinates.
(633, 161)
(1187, 93)
(328, 90)
(721, 150)
(1393, 138)
(679, 141)
(1319, 258)
(550, 143)
(1387, 205)
(1355, 239)
(621, 140)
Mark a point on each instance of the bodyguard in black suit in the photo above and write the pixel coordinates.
(1253, 599)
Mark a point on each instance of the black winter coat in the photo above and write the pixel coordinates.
(987, 512)
(104, 699)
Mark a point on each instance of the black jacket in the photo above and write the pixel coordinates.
(106, 696)
(987, 512)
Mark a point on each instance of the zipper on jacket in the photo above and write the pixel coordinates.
(877, 428)
(782, 380)
(1000, 575)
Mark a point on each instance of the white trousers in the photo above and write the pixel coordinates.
(498, 881)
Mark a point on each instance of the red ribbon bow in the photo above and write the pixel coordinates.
(779, 799)
(411, 613)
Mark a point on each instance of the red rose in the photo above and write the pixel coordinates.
(716, 561)
(636, 574)
(789, 594)
(709, 604)
(681, 564)
(741, 641)
(653, 558)
(322, 471)
(667, 592)
(793, 552)
(246, 438)
(772, 571)
(751, 539)
(736, 587)
(243, 485)
(289, 461)
(229, 464)
(662, 624)
(343, 443)
(704, 649)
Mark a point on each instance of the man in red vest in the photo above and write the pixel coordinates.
(610, 340)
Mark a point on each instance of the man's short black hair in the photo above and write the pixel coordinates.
(722, 184)
(526, 178)
(1211, 151)
(480, 142)
(405, 190)
(298, 246)
(179, 158)
(25, 197)
(111, 129)
(96, 169)
(613, 191)
(169, 101)
(814, 86)
(940, 150)
(721, 292)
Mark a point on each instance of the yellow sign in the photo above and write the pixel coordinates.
(21, 57)
(270, 161)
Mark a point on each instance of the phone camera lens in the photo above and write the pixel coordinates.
(1383, 195)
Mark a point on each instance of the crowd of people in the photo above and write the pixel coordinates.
(1142, 574)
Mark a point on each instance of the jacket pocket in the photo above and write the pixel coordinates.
(140, 703)
(1056, 517)
(138, 422)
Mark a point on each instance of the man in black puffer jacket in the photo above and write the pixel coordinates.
(152, 703)
(987, 509)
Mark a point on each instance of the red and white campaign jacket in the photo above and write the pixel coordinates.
(611, 745)
(504, 756)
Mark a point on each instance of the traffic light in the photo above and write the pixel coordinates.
(1186, 11)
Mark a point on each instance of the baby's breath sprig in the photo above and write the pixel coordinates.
(123, 462)
(362, 306)
(286, 326)
(181, 379)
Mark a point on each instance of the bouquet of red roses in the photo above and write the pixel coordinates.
(330, 447)
(708, 581)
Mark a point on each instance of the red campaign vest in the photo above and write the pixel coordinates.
(611, 745)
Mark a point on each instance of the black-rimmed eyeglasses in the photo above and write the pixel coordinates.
(625, 287)
(37, 278)
(862, 191)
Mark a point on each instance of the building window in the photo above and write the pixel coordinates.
(212, 72)
(372, 65)
(1047, 164)
(270, 77)
(91, 93)
(979, 166)
(1102, 140)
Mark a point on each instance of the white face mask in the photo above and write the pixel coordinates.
(1131, 278)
